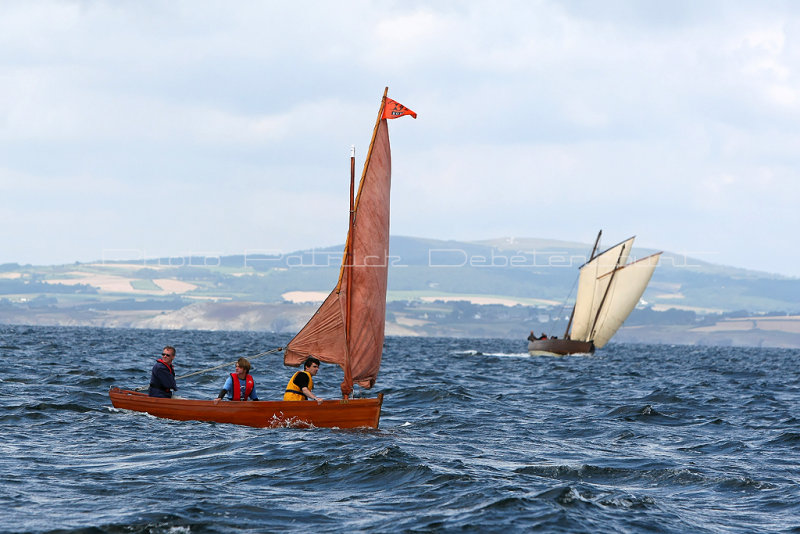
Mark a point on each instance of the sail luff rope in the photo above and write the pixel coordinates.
(564, 305)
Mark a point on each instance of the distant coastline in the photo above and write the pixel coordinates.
(499, 293)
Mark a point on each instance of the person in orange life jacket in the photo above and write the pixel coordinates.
(162, 377)
(301, 383)
(239, 385)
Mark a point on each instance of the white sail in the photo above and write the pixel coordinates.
(592, 285)
(626, 288)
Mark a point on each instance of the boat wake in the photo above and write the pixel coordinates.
(494, 354)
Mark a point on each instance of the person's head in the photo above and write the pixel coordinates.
(168, 354)
(243, 364)
(311, 365)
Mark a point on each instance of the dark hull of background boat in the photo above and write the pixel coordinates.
(353, 413)
(560, 347)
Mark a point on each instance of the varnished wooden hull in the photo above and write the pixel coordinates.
(559, 347)
(353, 413)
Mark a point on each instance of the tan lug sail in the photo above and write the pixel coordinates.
(348, 328)
(626, 288)
(592, 284)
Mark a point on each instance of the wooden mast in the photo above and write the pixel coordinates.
(591, 257)
(350, 232)
(596, 243)
(348, 265)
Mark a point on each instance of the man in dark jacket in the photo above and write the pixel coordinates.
(162, 378)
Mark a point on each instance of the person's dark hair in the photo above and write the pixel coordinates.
(309, 361)
(171, 348)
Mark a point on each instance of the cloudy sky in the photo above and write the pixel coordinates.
(133, 129)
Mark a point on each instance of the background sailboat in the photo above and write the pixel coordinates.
(608, 290)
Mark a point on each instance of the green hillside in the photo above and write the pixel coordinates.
(498, 287)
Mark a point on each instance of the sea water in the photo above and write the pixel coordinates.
(475, 436)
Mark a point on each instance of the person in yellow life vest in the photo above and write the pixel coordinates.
(302, 382)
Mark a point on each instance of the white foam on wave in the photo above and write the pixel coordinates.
(508, 354)
(495, 354)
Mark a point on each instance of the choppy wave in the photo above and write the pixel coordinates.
(475, 436)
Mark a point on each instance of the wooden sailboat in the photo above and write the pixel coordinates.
(354, 413)
(608, 290)
(347, 329)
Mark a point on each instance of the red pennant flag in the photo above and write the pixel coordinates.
(393, 110)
